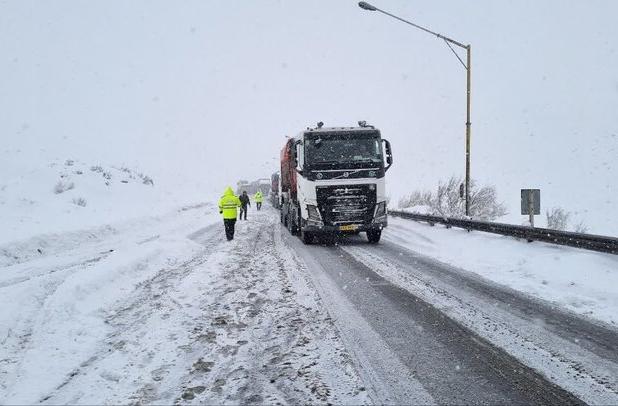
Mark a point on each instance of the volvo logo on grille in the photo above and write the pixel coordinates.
(346, 174)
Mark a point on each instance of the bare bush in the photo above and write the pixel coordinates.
(69, 162)
(62, 186)
(96, 168)
(557, 218)
(484, 203)
(107, 175)
(581, 227)
(446, 201)
(80, 201)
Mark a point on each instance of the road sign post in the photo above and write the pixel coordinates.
(531, 203)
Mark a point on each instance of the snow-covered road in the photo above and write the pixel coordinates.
(164, 310)
(461, 337)
(170, 313)
(567, 350)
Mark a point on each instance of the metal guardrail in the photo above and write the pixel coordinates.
(585, 241)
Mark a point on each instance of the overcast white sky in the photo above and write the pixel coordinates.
(209, 89)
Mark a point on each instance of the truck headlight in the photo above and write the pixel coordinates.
(314, 214)
(380, 210)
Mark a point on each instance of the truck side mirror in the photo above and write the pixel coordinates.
(389, 154)
(297, 163)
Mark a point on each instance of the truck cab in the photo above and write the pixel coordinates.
(339, 181)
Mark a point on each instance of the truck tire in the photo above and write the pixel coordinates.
(306, 237)
(328, 238)
(374, 236)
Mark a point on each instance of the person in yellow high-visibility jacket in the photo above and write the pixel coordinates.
(258, 198)
(228, 206)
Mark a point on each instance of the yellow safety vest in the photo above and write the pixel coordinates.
(228, 204)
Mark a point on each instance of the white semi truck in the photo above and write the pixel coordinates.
(333, 181)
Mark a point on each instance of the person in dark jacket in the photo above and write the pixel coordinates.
(244, 202)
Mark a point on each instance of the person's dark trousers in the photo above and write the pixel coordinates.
(229, 228)
(259, 205)
(243, 210)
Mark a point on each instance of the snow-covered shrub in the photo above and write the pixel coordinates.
(62, 186)
(557, 218)
(69, 162)
(147, 180)
(107, 175)
(128, 171)
(581, 227)
(80, 201)
(484, 203)
(96, 168)
(446, 201)
(416, 198)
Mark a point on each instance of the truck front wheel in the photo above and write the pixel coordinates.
(374, 236)
(306, 237)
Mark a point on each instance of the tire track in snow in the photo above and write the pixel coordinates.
(150, 296)
(579, 362)
(453, 363)
(279, 342)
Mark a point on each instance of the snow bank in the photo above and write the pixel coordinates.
(72, 195)
(581, 281)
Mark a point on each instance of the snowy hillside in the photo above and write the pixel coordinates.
(58, 196)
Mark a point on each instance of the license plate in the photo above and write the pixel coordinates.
(348, 227)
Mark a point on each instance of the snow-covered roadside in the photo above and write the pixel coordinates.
(62, 244)
(55, 290)
(71, 195)
(581, 281)
(165, 310)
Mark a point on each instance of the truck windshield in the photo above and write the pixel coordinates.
(353, 150)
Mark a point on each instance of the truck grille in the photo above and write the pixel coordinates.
(344, 204)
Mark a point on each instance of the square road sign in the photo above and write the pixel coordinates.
(535, 195)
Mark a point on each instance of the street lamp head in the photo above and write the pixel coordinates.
(366, 6)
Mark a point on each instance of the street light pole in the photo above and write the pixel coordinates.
(468, 127)
(467, 65)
